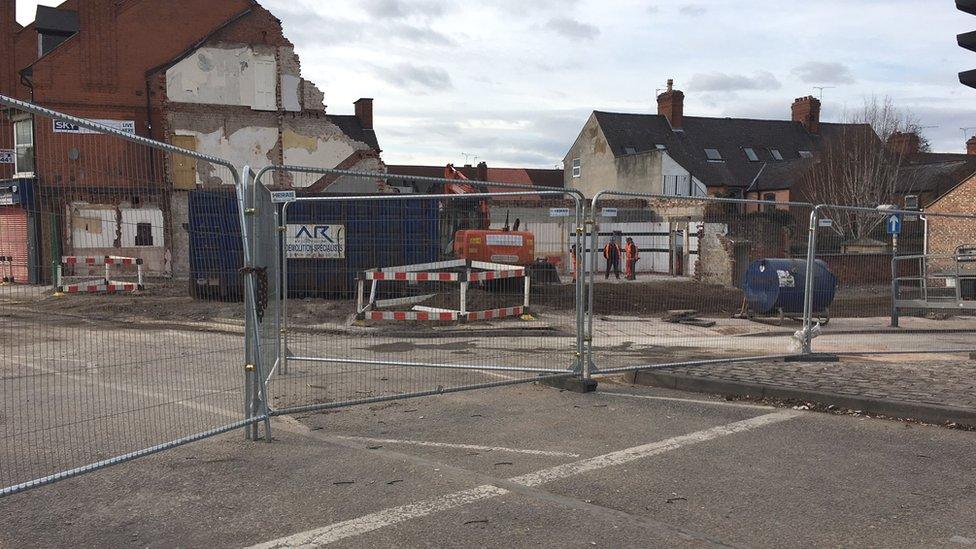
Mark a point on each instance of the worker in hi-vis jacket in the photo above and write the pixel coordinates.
(611, 252)
(632, 253)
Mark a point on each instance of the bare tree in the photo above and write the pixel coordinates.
(856, 168)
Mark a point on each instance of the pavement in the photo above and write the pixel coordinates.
(528, 466)
(901, 386)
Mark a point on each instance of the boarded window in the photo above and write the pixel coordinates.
(144, 234)
(264, 85)
(184, 167)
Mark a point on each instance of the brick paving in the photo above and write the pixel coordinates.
(940, 383)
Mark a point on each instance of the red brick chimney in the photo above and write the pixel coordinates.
(806, 111)
(671, 104)
(8, 26)
(904, 143)
(971, 145)
(364, 112)
(482, 173)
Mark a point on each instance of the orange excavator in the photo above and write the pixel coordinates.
(466, 229)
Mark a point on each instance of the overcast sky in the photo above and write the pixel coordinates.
(512, 81)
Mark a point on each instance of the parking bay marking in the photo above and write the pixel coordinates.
(395, 515)
(461, 446)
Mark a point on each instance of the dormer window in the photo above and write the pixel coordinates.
(713, 155)
(630, 150)
(751, 155)
(805, 154)
(776, 154)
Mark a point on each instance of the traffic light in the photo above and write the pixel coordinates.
(967, 40)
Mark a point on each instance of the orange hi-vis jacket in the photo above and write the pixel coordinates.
(632, 251)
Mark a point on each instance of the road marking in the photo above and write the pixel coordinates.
(692, 401)
(461, 446)
(395, 515)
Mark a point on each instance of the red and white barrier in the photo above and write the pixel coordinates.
(461, 271)
(106, 284)
(96, 288)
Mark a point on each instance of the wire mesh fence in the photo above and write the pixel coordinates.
(423, 287)
(104, 355)
(693, 279)
(904, 279)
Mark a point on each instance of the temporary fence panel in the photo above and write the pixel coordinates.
(92, 379)
(905, 280)
(705, 292)
(442, 306)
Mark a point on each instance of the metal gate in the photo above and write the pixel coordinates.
(89, 379)
(681, 312)
(368, 301)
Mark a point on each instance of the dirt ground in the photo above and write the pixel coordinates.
(167, 300)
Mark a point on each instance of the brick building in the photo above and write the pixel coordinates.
(946, 234)
(218, 77)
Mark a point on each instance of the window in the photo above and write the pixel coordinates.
(661, 147)
(806, 154)
(769, 197)
(751, 155)
(713, 155)
(24, 146)
(630, 150)
(577, 170)
(776, 154)
(144, 234)
(911, 202)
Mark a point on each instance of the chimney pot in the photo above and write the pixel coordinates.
(971, 145)
(806, 111)
(364, 112)
(482, 174)
(671, 104)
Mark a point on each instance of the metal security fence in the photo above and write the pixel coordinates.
(396, 295)
(692, 280)
(105, 356)
(904, 280)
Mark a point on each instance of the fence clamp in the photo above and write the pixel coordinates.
(248, 367)
(282, 229)
(249, 211)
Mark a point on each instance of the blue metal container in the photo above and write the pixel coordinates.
(771, 285)
(378, 233)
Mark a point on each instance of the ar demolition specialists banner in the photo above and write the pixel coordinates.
(315, 242)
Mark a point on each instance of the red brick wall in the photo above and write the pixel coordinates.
(945, 234)
(865, 269)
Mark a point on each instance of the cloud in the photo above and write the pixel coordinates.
(719, 81)
(401, 9)
(653, 9)
(417, 35)
(407, 75)
(817, 72)
(571, 28)
(693, 10)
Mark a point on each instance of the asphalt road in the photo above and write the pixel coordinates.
(529, 466)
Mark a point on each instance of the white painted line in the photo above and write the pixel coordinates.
(692, 401)
(638, 452)
(387, 517)
(461, 446)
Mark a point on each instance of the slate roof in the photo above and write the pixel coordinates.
(50, 20)
(936, 177)
(730, 136)
(351, 126)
